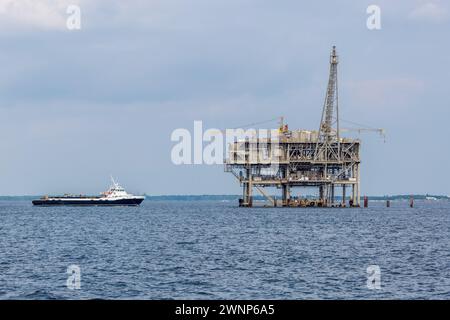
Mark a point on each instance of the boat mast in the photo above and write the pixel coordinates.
(114, 183)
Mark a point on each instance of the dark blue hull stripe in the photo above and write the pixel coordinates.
(68, 202)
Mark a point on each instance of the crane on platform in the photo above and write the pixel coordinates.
(380, 131)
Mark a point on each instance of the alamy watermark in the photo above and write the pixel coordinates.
(374, 20)
(74, 279)
(373, 277)
(73, 21)
(212, 146)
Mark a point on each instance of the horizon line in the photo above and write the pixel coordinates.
(238, 195)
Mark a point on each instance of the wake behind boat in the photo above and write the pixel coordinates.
(115, 196)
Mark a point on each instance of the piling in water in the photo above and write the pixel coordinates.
(366, 202)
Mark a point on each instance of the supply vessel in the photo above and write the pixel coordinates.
(114, 196)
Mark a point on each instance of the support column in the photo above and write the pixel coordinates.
(244, 194)
(249, 188)
(286, 194)
(321, 193)
(358, 190)
(285, 188)
(344, 187)
(250, 191)
(353, 198)
(332, 194)
(243, 201)
(247, 199)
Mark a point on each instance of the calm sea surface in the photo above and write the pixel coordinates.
(214, 250)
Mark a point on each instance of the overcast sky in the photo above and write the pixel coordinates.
(79, 105)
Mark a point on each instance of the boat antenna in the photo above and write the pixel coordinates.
(113, 181)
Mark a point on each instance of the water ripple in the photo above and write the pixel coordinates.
(214, 250)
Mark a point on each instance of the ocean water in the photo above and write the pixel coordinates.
(215, 250)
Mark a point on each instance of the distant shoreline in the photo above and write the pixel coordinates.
(236, 197)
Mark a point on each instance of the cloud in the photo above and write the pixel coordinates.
(38, 15)
(429, 12)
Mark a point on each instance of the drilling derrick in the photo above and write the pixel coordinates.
(320, 160)
(328, 151)
(328, 135)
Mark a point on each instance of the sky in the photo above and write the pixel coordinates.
(79, 105)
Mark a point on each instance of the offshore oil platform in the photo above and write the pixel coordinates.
(319, 159)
